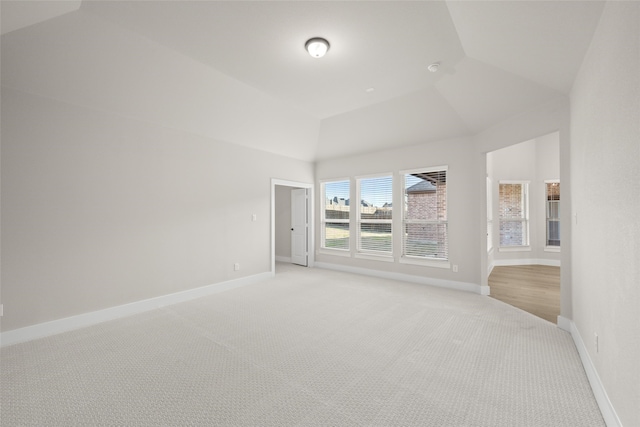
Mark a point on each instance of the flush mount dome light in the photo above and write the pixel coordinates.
(317, 47)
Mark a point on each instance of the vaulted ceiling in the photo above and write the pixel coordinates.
(237, 71)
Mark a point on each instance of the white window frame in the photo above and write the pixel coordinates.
(324, 221)
(548, 248)
(408, 259)
(367, 253)
(525, 218)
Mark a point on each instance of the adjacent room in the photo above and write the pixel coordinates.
(320, 213)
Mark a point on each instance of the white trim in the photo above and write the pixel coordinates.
(54, 327)
(374, 257)
(490, 269)
(429, 169)
(514, 249)
(280, 258)
(526, 261)
(511, 181)
(602, 399)
(436, 263)
(450, 284)
(552, 249)
(564, 323)
(374, 175)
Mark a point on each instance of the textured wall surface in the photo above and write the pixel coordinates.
(100, 211)
(605, 154)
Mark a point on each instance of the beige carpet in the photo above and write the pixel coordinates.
(311, 348)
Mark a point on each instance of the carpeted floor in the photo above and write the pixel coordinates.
(309, 347)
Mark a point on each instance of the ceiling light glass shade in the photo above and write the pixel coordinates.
(317, 47)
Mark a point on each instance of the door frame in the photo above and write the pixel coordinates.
(299, 198)
(310, 229)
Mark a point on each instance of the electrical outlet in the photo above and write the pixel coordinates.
(455, 268)
(236, 266)
(596, 342)
(1, 310)
(254, 217)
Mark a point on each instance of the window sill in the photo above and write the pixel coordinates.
(514, 249)
(437, 263)
(335, 252)
(375, 257)
(552, 248)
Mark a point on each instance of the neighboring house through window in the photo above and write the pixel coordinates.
(335, 214)
(514, 214)
(375, 212)
(424, 219)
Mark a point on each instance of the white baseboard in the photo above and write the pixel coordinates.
(450, 284)
(53, 327)
(286, 259)
(526, 261)
(606, 408)
(564, 324)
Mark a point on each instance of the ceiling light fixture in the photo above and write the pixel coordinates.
(317, 47)
(434, 67)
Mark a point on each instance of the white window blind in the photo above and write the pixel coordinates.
(335, 215)
(375, 210)
(514, 213)
(553, 213)
(424, 220)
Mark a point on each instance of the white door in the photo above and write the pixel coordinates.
(299, 226)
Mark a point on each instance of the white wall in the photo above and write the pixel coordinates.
(99, 210)
(535, 160)
(462, 197)
(605, 166)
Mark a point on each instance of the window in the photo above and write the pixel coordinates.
(553, 213)
(375, 215)
(424, 219)
(514, 214)
(335, 215)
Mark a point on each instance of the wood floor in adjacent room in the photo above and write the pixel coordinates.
(532, 288)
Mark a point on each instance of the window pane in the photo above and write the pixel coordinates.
(514, 221)
(336, 200)
(513, 233)
(511, 201)
(426, 240)
(553, 210)
(376, 198)
(375, 214)
(553, 214)
(335, 219)
(425, 215)
(336, 235)
(553, 233)
(425, 196)
(375, 237)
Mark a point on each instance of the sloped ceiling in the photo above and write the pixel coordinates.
(238, 72)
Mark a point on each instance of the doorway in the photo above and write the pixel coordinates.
(292, 237)
(523, 225)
